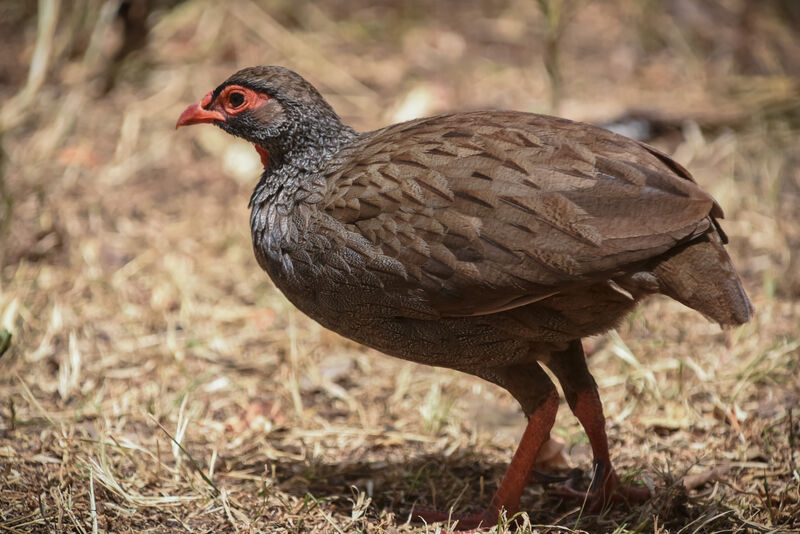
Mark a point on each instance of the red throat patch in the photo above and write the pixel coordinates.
(264, 153)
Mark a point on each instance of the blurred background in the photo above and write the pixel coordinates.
(152, 378)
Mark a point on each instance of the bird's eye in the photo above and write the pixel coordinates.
(236, 99)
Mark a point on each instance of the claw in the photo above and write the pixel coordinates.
(606, 488)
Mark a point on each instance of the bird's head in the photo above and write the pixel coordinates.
(272, 107)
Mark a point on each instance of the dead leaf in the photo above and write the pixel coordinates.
(691, 482)
(263, 317)
(552, 455)
(82, 156)
(257, 415)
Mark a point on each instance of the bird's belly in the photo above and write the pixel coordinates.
(402, 326)
(463, 343)
(459, 343)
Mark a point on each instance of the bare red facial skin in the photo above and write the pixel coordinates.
(234, 99)
(231, 101)
(264, 153)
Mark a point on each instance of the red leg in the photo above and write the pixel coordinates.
(517, 475)
(606, 486)
(582, 397)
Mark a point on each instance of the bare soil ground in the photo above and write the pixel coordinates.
(154, 379)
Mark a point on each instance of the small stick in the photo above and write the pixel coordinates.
(44, 515)
(191, 459)
(92, 503)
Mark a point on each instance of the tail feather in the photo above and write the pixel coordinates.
(701, 275)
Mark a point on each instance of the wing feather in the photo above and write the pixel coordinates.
(493, 210)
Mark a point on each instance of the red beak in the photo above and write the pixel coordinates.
(197, 113)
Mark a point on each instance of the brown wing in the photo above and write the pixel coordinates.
(487, 211)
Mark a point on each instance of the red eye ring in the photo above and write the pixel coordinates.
(235, 99)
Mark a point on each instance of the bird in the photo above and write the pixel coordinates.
(489, 242)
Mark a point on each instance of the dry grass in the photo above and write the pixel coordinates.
(155, 381)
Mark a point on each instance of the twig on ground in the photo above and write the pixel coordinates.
(194, 463)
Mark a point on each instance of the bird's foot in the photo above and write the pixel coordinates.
(606, 488)
(519, 471)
